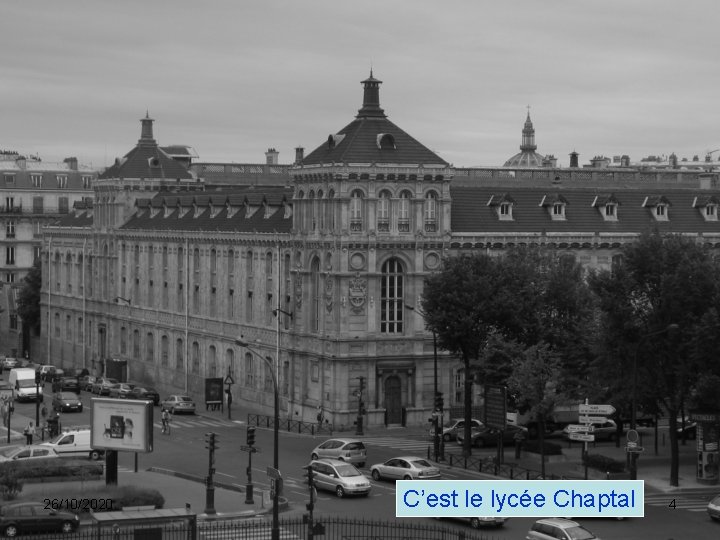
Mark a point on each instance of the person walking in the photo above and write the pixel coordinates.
(29, 432)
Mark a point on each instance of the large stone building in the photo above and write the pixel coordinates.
(320, 272)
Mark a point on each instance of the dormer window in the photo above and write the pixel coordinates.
(555, 206)
(708, 207)
(661, 211)
(611, 211)
(711, 212)
(385, 141)
(607, 205)
(505, 209)
(503, 206)
(659, 207)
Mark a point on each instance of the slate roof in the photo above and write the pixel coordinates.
(74, 219)
(470, 212)
(362, 141)
(242, 209)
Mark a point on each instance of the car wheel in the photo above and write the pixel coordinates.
(67, 527)
(475, 523)
(94, 455)
(313, 456)
(446, 437)
(376, 475)
(407, 477)
(11, 531)
(340, 492)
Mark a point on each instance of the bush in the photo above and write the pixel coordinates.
(10, 484)
(551, 448)
(604, 463)
(53, 467)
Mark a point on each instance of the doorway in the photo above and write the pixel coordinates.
(393, 400)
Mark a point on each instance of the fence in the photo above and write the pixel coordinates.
(288, 424)
(326, 528)
(489, 465)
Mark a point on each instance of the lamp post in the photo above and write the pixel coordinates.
(633, 412)
(275, 535)
(437, 397)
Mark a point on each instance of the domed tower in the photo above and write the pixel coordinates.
(527, 156)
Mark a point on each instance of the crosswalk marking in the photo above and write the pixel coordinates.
(194, 424)
(690, 502)
(248, 533)
(391, 442)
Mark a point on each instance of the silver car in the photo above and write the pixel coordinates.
(33, 451)
(349, 450)
(450, 430)
(558, 529)
(340, 477)
(405, 468)
(478, 522)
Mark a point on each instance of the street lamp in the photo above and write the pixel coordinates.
(275, 535)
(633, 413)
(437, 397)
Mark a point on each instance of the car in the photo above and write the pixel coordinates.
(452, 427)
(10, 363)
(120, 390)
(603, 431)
(558, 529)
(713, 508)
(46, 372)
(86, 382)
(67, 402)
(32, 451)
(178, 404)
(405, 468)
(349, 450)
(339, 477)
(35, 517)
(78, 373)
(145, 393)
(489, 436)
(478, 522)
(102, 385)
(67, 383)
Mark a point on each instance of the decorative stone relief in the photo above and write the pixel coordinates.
(298, 291)
(329, 293)
(432, 260)
(357, 293)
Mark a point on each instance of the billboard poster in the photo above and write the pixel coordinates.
(122, 424)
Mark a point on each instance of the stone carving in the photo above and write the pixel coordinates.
(328, 293)
(357, 293)
(298, 291)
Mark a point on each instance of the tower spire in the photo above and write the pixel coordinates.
(528, 135)
(371, 98)
(146, 132)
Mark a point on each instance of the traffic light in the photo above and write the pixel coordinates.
(362, 409)
(251, 436)
(211, 441)
(37, 378)
(439, 403)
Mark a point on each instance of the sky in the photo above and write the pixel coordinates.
(232, 78)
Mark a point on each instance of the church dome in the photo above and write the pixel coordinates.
(527, 157)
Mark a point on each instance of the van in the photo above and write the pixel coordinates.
(74, 443)
(23, 383)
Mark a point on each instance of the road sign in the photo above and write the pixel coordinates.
(632, 437)
(229, 380)
(590, 408)
(592, 419)
(581, 437)
(581, 428)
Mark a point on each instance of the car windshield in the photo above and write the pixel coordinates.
(579, 533)
(420, 463)
(67, 395)
(354, 446)
(450, 423)
(8, 451)
(345, 471)
(183, 398)
(26, 383)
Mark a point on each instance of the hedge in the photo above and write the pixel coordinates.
(551, 448)
(53, 467)
(105, 498)
(604, 463)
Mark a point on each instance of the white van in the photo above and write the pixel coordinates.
(74, 443)
(23, 383)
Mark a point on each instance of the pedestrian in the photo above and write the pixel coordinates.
(320, 414)
(43, 412)
(29, 431)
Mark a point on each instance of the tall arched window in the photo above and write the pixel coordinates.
(330, 210)
(356, 211)
(391, 297)
(230, 362)
(179, 355)
(321, 209)
(313, 211)
(136, 344)
(383, 211)
(195, 357)
(212, 362)
(164, 346)
(150, 348)
(430, 211)
(249, 370)
(404, 212)
(315, 294)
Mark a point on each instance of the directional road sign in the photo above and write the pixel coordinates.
(592, 419)
(589, 408)
(580, 428)
(581, 437)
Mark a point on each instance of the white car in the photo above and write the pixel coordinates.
(450, 430)
(349, 450)
(339, 477)
(33, 451)
(405, 468)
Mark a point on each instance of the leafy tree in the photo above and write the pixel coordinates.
(29, 297)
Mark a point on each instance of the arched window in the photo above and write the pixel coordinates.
(249, 370)
(150, 348)
(164, 345)
(331, 210)
(383, 211)
(356, 211)
(430, 211)
(315, 295)
(195, 357)
(313, 211)
(136, 344)
(179, 355)
(391, 297)
(230, 362)
(321, 209)
(404, 212)
(212, 362)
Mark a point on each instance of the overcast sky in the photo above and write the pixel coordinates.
(232, 78)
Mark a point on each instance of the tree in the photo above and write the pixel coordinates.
(28, 307)
(656, 306)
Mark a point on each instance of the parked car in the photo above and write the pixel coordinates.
(713, 508)
(340, 477)
(46, 372)
(558, 529)
(145, 392)
(10, 363)
(35, 517)
(70, 384)
(102, 385)
(478, 522)
(452, 427)
(489, 436)
(32, 451)
(78, 373)
(604, 431)
(120, 390)
(350, 450)
(86, 382)
(67, 402)
(178, 404)
(405, 468)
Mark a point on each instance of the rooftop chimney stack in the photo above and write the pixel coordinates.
(271, 157)
(574, 159)
(72, 163)
(299, 155)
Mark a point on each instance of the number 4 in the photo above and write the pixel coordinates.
(672, 504)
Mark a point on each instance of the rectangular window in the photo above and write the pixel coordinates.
(10, 229)
(36, 180)
(61, 180)
(9, 255)
(231, 304)
(13, 321)
(10, 277)
(86, 181)
(249, 307)
(609, 210)
(710, 210)
(63, 205)
(504, 209)
(9, 204)
(9, 178)
(37, 205)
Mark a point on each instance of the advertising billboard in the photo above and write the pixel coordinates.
(122, 424)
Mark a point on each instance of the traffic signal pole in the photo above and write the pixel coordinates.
(211, 445)
(361, 408)
(250, 449)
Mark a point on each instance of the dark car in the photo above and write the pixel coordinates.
(489, 437)
(35, 517)
(146, 393)
(66, 401)
(71, 384)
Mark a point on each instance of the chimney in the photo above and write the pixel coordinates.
(625, 161)
(271, 157)
(574, 159)
(72, 163)
(299, 155)
(673, 161)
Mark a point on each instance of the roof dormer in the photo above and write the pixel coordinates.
(555, 205)
(385, 141)
(503, 205)
(659, 206)
(607, 205)
(708, 207)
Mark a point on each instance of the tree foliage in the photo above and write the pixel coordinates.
(28, 307)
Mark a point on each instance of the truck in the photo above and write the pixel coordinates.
(24, 386)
